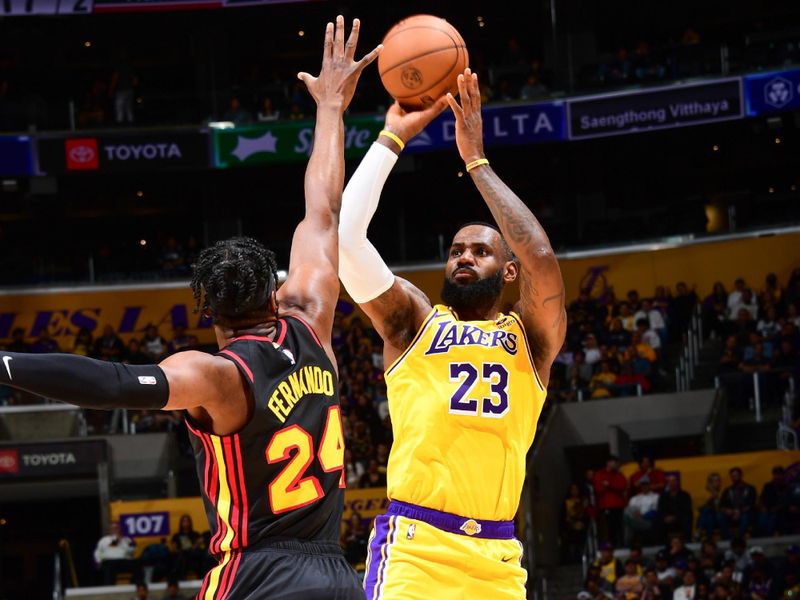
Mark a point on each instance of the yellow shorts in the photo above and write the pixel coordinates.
(412, 560)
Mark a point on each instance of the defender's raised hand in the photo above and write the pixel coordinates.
(469, 123)
(339, 75)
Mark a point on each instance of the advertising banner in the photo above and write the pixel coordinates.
(502, 125)
(15, 155)
(287, 141)
(114, 152)
(659, 108)
(774, 92)
(51, 459)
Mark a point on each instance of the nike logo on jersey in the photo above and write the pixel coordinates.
(452, 334)
(6, 361)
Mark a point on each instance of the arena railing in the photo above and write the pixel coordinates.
(734, 384)
(690, 352)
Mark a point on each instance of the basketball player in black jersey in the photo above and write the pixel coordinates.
(264, 411)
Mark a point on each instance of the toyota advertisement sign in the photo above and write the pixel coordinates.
(125, 152)
(51, 459)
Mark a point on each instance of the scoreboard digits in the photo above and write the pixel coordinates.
(17, 8)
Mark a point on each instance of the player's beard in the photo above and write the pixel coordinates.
(481, 293)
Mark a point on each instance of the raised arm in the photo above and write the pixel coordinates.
(312, 285)
(542, 296)
(395, 306)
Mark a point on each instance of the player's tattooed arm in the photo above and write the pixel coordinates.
(542, 292)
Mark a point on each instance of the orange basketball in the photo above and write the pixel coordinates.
(421, 59)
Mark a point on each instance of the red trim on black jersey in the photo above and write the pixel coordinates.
(207, 458)
(234, 517)
(226, 580)
(242, 489)
(255, 338)
(240, 362)
(313, 333)
(282, 335)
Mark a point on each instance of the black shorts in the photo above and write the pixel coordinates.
(284, 570)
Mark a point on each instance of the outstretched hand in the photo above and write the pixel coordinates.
(336, 83)
(408, 124)
(469, 123)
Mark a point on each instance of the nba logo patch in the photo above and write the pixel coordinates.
(410, 533)
(470, 527)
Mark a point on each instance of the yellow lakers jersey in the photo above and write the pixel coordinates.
(464, 399)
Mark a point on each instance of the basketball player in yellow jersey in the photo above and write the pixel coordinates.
(466, 383)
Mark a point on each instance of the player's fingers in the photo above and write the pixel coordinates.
(328, 41)
(462, 92)
(475, 92)
(338, 39)
(435, 108)
(454, 106)
(370, 57)
(306, 78)
(352, 41)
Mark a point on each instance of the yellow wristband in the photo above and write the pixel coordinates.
(476, 163)
(393, 137)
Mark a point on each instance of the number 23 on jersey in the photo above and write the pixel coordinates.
(290, 490)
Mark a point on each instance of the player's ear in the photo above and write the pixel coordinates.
(273, 302)
(510, 271)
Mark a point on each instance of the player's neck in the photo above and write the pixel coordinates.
(226, 335)
(477, 313)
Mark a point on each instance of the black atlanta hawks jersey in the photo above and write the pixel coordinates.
(281, 476)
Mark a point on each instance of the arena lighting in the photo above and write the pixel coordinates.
(143, 242)
(221, 124)
(460, 174)
(771, 190)
(777, 140)
(793, 187)
(301, 33)
(87, 44)
(282, 275)
(139, 194)
(9, 185)
(715, 148)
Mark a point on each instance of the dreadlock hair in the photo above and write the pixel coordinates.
(233, 281)
(506, 248)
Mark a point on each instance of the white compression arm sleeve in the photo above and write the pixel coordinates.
(364, 274)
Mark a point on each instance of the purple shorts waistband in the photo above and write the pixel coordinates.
(495, 530)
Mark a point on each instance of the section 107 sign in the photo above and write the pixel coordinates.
(144, 524)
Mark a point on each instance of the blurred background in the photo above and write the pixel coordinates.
(656, 142)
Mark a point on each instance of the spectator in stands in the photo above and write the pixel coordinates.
(156, 561)
(114, 554)
(792, 315)
(609, 568)
(580, 373)
(142, 593)
(743, 326)
(676, 550)
(772, 294)
(647, 468)
(737, 505)
(774, 504)
(627, 317)
(651, 589)
(237, 114)
(575, 522)
(603, 381)
(610, 487)
(171, 257)
(109, 346)
(630, 585)
(675, 509)
(353, 469)
(687, 591)
(592, 590)
(618, 69)
(153, 345)
(121, 89)
(710, 559)
(682, 308)
(715, 307)
(181, 340)
(82, 345)
(655, 320)
(373, 478)
(647, 335)
(173, 591)
(134, 355)
(18, 343)
(267, 112)
(189, 549)
(617, 335)
(664, 571)
(532, 88)
(731, 357)
(354, 539)
(788, 573)
(44, 344)
(738, 556)
(746, 302)
(645, 66)
(735, 297)
(592, 350)
(641, 513)
(628, 377)
(708, 520)
(769, 326)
